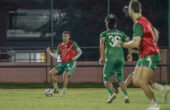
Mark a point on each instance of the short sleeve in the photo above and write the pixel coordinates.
(102, 35)
(137, 30)
(125, 37)
(75, 45)
(58, 50)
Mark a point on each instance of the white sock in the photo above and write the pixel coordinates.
(64, 90)
(119, 89)
(153, 101)
(55, 85)
(158, 87)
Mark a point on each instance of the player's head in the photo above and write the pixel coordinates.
(111, 21)
(134, 8)
(66, 36)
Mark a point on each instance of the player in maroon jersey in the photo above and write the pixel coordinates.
(145, 39)
(69, 52)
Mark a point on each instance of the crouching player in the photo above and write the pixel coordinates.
(114, 56)
(69, 52)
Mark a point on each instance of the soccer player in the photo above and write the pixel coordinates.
(114, 56)
(145, 39)
(69, 52)
(163, 89)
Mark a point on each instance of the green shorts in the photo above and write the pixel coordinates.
(68, 67)
(110, 68)
(150, 61)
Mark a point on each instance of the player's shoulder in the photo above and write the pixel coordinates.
(117, 31)
(74, 42)
(106, 32)
(103, 33)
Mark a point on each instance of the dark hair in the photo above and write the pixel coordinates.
(135, 5)
(66, 32)
(111, 20)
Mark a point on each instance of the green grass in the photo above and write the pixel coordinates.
(75, 99)
(47, 85)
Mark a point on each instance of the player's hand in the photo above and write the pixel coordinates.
(118, 43)
(48, 50)
(101, 61)
(129, 57)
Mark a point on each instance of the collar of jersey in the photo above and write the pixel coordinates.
(66, 42)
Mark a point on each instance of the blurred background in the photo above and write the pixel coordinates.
(28, 27)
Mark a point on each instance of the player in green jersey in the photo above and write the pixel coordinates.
(114, 56)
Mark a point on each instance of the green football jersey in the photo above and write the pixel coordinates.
(112, 52)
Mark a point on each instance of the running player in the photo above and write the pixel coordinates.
(69, 52)
(144, 39)
(114, 56)
(163, 89)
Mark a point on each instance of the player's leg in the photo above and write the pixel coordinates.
(69, 69)
(65, 83)
(129, 79)
(127, 82)
(58, 70)
(65, 79)
(144, 73)
(124, 90)
(108, 86)
(163, 89)
(141, 77)
(137, 76)
(119, 76)
(53, 79)
(145, 77)
(107, 72)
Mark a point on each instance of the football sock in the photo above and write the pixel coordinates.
(119, 89)
(55, 85)
(125, 92)
(158, 87)
(110, 90)
(153, 101)
(64, 90)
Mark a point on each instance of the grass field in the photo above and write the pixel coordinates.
(75, 99)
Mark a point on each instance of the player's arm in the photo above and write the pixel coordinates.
(135, 51)
(156, 32)
(129, 49)
(133, 43)
(102, 42)
(79, 52)
(129, 56)
(54, 55)
(126, 39)
(137, 35)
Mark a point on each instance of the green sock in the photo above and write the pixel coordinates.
(110, 91)
(125, 92)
